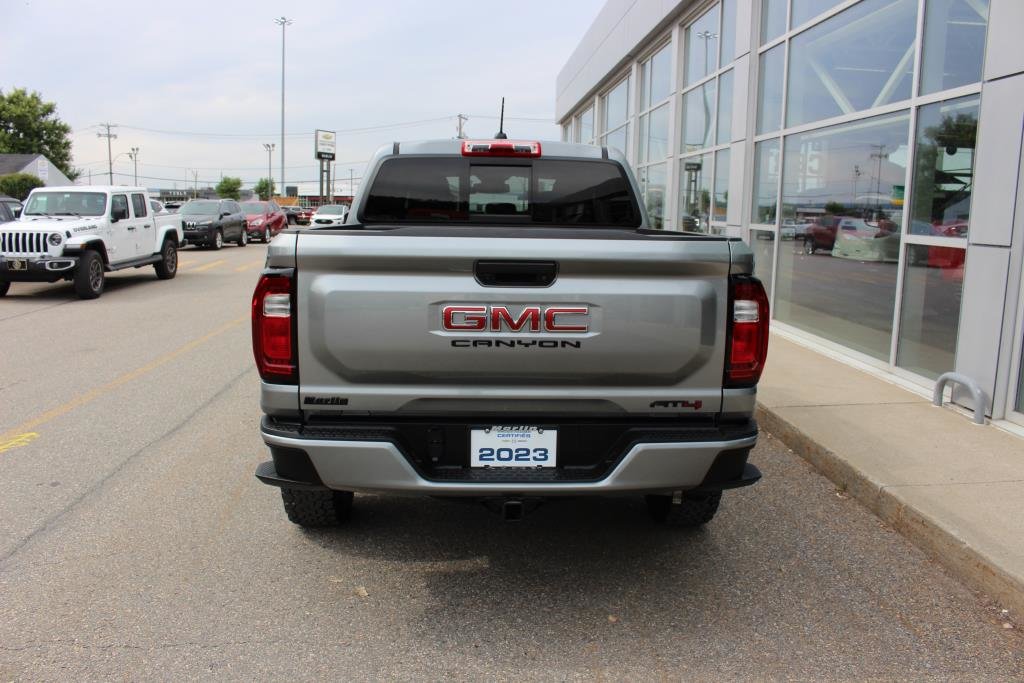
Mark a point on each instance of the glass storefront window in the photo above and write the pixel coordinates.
(616, 106)
(657, 135)
(724, 115)
(766, 181)
(930, 313)
(695, 191)
(585, 126)
(728, 42)
(655, 78)
(773, 19)
(954, 43)
(859, 59)
(804, 10)
(698, 110)
(944, 167)
(769, 89)
(762, 243)
(837, 278)
(721, 187)
(653, 181)
(618, 139)
(702, 46)
(567, 132)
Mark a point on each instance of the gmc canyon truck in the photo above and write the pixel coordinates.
(496, 320)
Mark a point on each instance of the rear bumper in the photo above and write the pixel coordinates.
(381, 466)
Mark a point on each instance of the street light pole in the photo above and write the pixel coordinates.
(283, 22)
(134, 154)
(269, 146)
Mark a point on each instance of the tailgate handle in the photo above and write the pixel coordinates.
(515, 273)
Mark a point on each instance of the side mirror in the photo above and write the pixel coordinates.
(118, 214)
(225, 214)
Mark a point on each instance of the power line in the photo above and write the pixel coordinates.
(364, 129)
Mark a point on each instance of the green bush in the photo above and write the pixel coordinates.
(18, 185)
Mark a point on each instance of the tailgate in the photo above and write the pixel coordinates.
(635, 321)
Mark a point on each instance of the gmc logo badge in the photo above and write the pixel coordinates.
(527, 319)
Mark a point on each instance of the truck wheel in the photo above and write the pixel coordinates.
(218, 240)
(692, 510)
(89, 279)
(809, 247)
(317, 508)
(243, 238)
(4, 287)
(167, 266)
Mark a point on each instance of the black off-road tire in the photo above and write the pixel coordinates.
(4, 288)
(688, 510)
(167, 266)
(313, 509)
(243, 238)
(89, 276)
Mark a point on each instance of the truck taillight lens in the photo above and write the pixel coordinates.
(500, 148)
(748, 331)
(273, 330)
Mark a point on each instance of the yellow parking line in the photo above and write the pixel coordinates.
(185, 264)
(19, 432)
(19, 440)
(211, 264)
(248, 266)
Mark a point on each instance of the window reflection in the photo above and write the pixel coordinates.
(842, 196)
(698, 115)
(944, 167)
(762, 243)
(655, 78)
(702, 46)
(930, 312)
(773, 19)
(769, 90)
(585, 126)
(766, 181)
(804, 10)
(721, 204)
(652, 183)
(695, 190)
(858, 59)
(724, 115)
(954, 43)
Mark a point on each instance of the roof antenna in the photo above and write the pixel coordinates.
(500, 135)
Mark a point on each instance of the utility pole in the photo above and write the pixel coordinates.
(880, 154)
(195, 180)
(351, 188)
(134, 154)
(334, 178)
(269, 146)
(110, 158)
(462, 119)
(283, 22)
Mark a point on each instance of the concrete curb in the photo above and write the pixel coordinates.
(936, 539)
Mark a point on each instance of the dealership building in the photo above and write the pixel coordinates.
(869, 152)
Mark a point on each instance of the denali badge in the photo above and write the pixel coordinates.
(456, 318)
(696, 405)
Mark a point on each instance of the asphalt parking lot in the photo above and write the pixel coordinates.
(136, 544)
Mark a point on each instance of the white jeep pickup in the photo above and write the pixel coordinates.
(80, 233)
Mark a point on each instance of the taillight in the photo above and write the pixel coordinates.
(273, 329)
(500, 148)
(748, 331)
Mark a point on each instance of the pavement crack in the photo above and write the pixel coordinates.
(51, 521)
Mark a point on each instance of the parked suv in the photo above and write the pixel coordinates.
(212, 222)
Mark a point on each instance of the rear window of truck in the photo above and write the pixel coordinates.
(506, 191)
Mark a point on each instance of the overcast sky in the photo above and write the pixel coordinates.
(213, 69)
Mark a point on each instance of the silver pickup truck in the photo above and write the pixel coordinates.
(495, 320)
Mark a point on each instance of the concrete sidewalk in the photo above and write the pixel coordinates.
(953, 488)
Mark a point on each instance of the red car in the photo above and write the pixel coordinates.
(263, 220)
(304, 216)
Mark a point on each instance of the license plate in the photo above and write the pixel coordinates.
(513, 446)
(17, 264)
